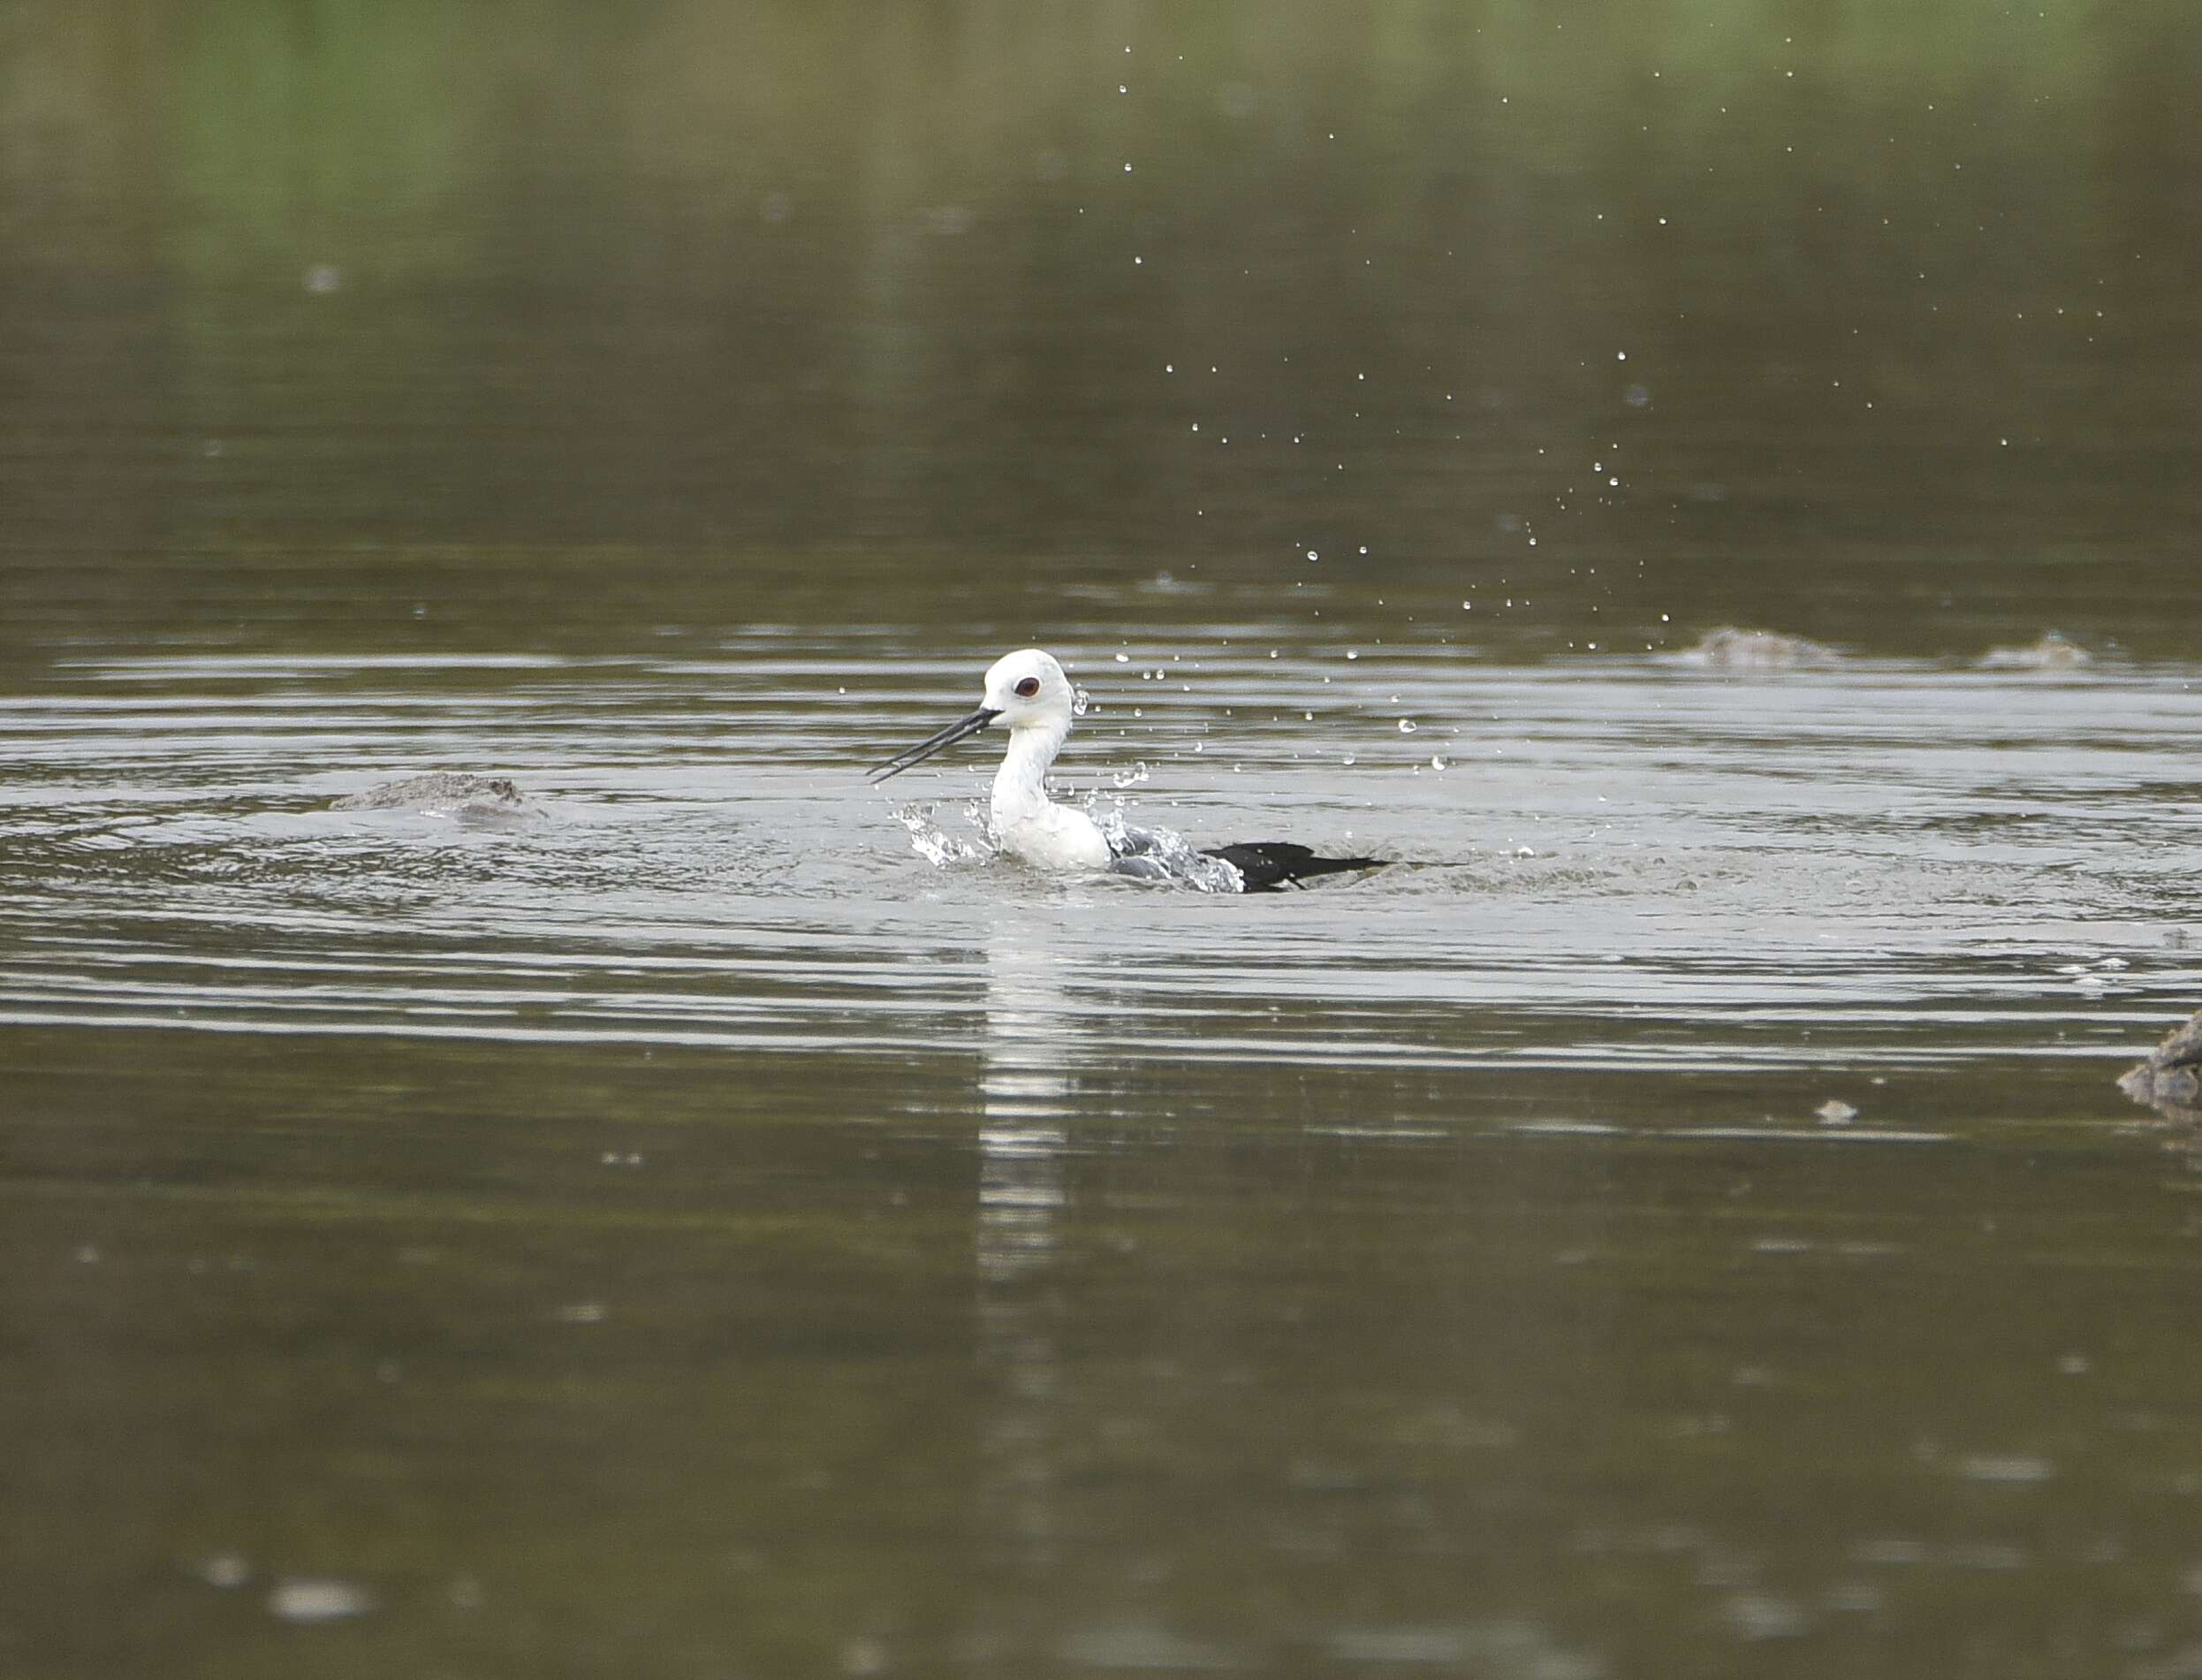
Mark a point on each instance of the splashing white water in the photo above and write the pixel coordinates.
(940, 848)
(1158, 854)
(1143, 853)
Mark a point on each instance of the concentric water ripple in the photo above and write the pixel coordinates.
(1624, 865)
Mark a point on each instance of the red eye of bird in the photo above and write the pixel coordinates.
(1030, 687)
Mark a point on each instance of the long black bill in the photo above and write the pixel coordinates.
(932, 744)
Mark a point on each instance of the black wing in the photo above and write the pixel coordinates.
(1267, 865)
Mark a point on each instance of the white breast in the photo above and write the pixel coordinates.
(1053, 838)
(1031, 827)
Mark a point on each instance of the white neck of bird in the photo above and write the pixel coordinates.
(1021, 784)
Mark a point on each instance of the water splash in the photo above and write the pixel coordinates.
(940, 848)
(1143, 853)
(1158, 854)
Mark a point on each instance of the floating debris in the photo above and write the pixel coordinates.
(1142, 1644)
(1728, 649)
(1480, 1647)
(222, 1570)
(1757, 1616)
(1834, 1112)
(2004, 1467)
(308, 1602)
(2053, 652)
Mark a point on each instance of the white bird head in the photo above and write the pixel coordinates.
(1026, 689)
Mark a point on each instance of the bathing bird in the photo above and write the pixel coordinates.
(1027, 694)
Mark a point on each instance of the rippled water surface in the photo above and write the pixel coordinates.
(1620, 866)
(1679, 1203)
(708, 1218)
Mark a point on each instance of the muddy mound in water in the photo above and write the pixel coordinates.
(471, 799)
(2170, 1081)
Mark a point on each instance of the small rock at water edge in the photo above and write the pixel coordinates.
(2170, 1081)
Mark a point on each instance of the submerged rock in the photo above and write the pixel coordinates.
(1729, 648)
(2170, 1081)
(2053, 652)
(471, 799)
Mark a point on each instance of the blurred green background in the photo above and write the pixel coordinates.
(870, 314)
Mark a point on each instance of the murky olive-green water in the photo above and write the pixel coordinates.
(1676, 1218)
